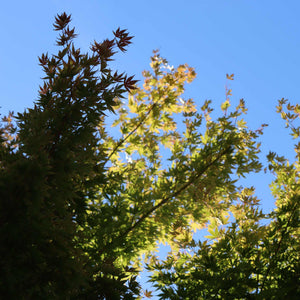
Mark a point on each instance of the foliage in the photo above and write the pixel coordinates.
(51, 164)
(169, 200)
(251, 258)
(83, 208)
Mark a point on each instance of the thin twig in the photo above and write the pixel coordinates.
(132, 132)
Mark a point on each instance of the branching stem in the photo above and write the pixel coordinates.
(122, 141)
(176, 193)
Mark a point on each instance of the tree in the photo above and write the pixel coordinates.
(52, 161)
(82, 207)
(199, 188)
(255, 256)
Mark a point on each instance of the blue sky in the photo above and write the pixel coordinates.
(258, 41)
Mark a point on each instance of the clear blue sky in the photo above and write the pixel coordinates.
(258, 41)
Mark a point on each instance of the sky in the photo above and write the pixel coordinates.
(257, 40)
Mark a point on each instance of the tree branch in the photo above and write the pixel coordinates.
(132, 132)
(122, 235)
(176, 193)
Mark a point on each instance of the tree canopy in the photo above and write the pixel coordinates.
(84, 207)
